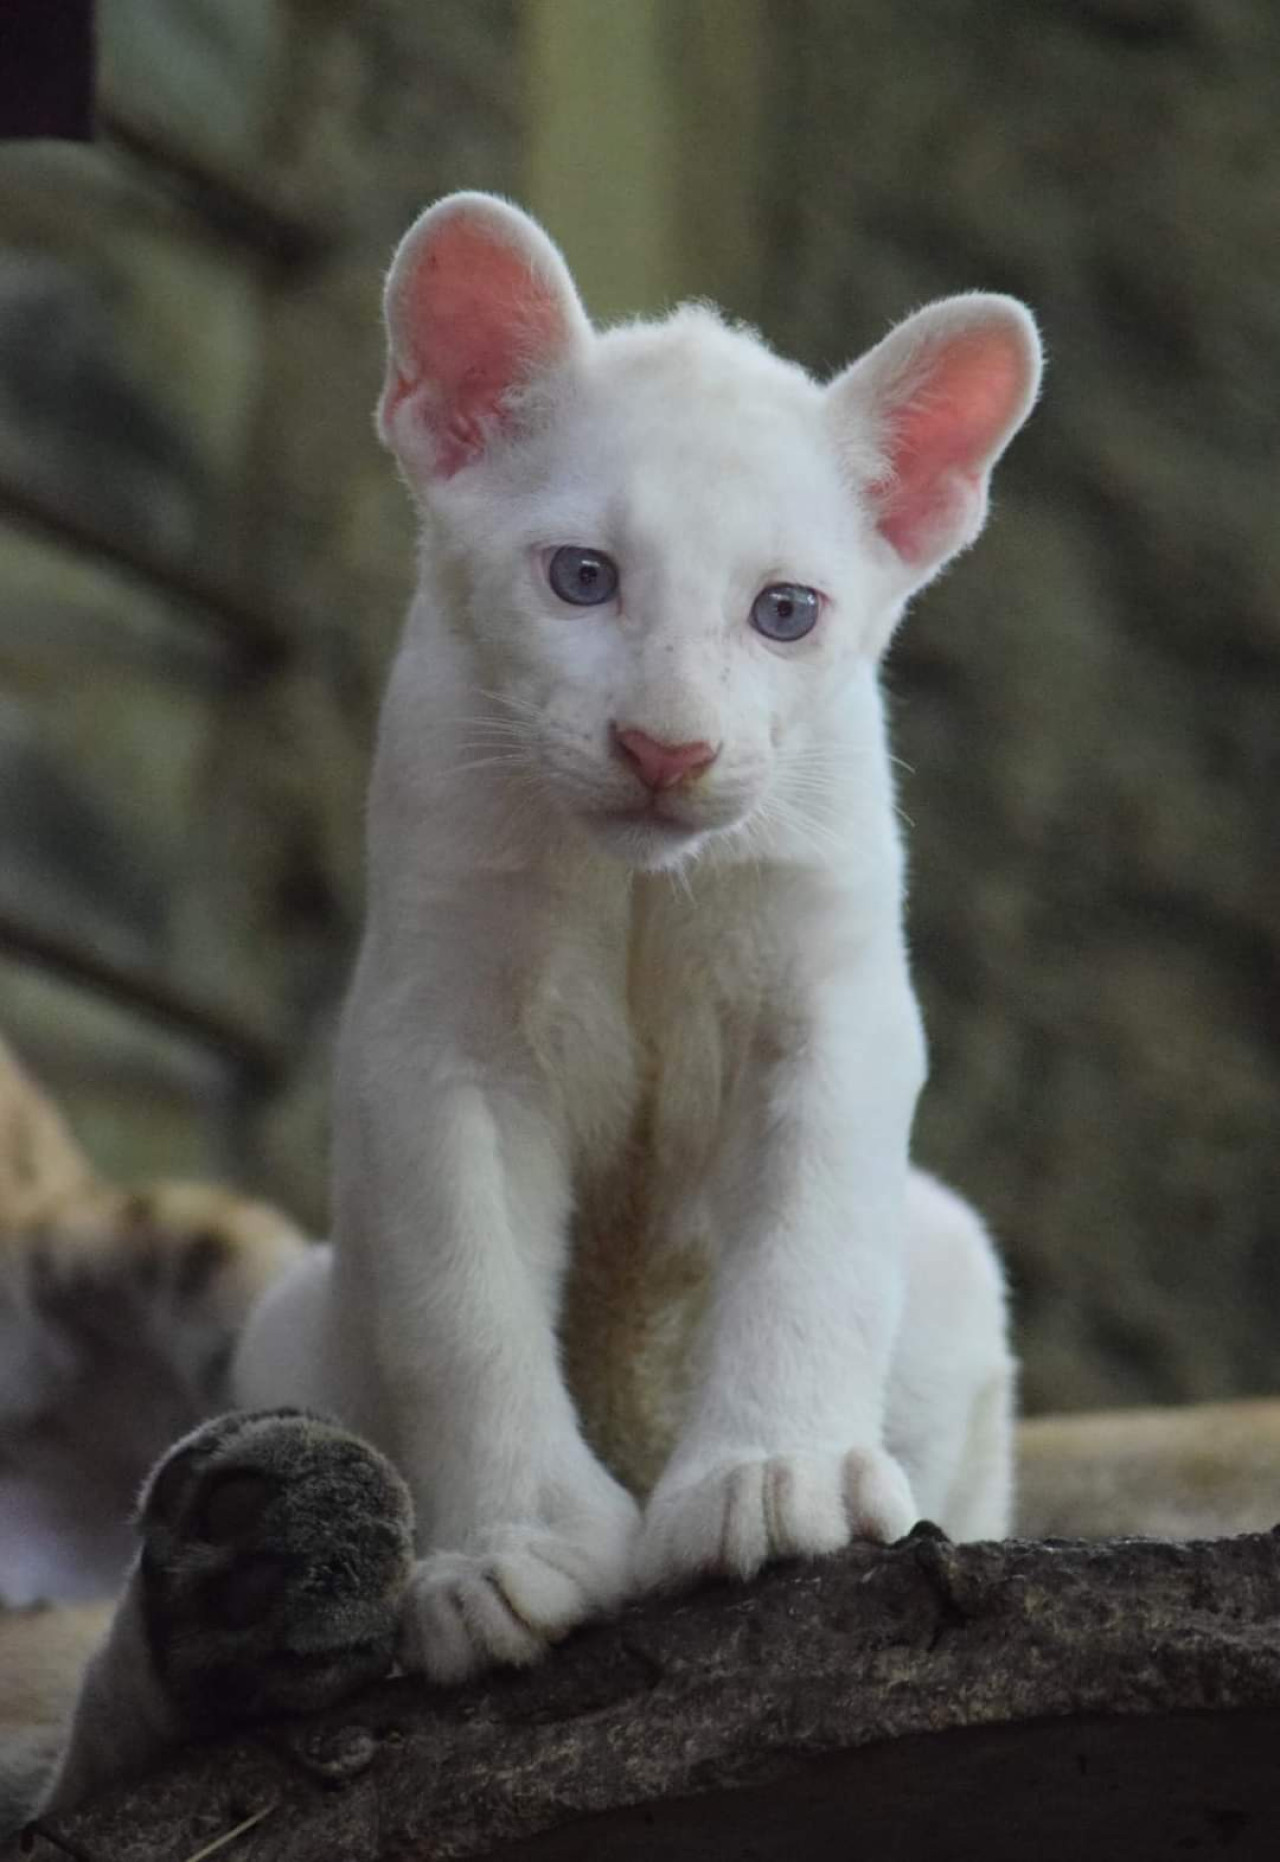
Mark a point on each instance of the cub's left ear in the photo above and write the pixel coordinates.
(922, 418)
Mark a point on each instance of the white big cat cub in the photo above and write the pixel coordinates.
(631, 1278)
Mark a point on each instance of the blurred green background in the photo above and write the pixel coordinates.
(204, 559)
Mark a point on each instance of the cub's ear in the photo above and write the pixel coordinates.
(478, 304)
(922, 418)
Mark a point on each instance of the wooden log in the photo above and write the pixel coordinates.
(1055, 1698)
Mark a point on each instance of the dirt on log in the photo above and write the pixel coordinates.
(929, 1700)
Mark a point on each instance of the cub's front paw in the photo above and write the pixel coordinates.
(516, 1590)
(733, 1518)
(276, 1549)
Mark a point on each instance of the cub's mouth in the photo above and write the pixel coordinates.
(649, 835)
(662, 811)
(663, 830)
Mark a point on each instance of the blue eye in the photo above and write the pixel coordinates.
(587, 578)
(785, 611)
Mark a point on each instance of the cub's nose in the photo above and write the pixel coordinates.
(659, 765)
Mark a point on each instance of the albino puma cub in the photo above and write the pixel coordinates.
(624, 1216)
(632, 1039)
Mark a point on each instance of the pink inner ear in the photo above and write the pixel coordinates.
(959, 401)
(474, 316)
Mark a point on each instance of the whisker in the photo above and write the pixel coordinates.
(510, 760)
(825, 841)
(522, 707)
(680, 882)
(492, 727)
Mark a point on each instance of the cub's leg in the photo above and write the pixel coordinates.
(453, 1202)
(944, 1450)
(949, 1416)
(522, 1534)
(275, 1554)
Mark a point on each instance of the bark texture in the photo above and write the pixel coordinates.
(928, 1700)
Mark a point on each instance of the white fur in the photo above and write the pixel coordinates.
(563, 986)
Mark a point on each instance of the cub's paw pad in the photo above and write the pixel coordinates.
(732, 1519)
(276, 1549)
(507, 1601)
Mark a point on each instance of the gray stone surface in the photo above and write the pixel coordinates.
(138, 1091)
(205, 74)
(131, 354)
(904, 1702)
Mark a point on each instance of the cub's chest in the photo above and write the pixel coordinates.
(691, 1003)
(689, 1012)
(641, 1021)
(642, 1244)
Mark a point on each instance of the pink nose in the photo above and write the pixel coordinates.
(659, 765)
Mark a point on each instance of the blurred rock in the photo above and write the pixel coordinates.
(206, 74)
(206, 556)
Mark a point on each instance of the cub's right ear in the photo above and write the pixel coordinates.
(478, 304)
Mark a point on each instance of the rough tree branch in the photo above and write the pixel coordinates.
(931, 1700)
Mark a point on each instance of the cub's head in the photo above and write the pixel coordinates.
(674, 552)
